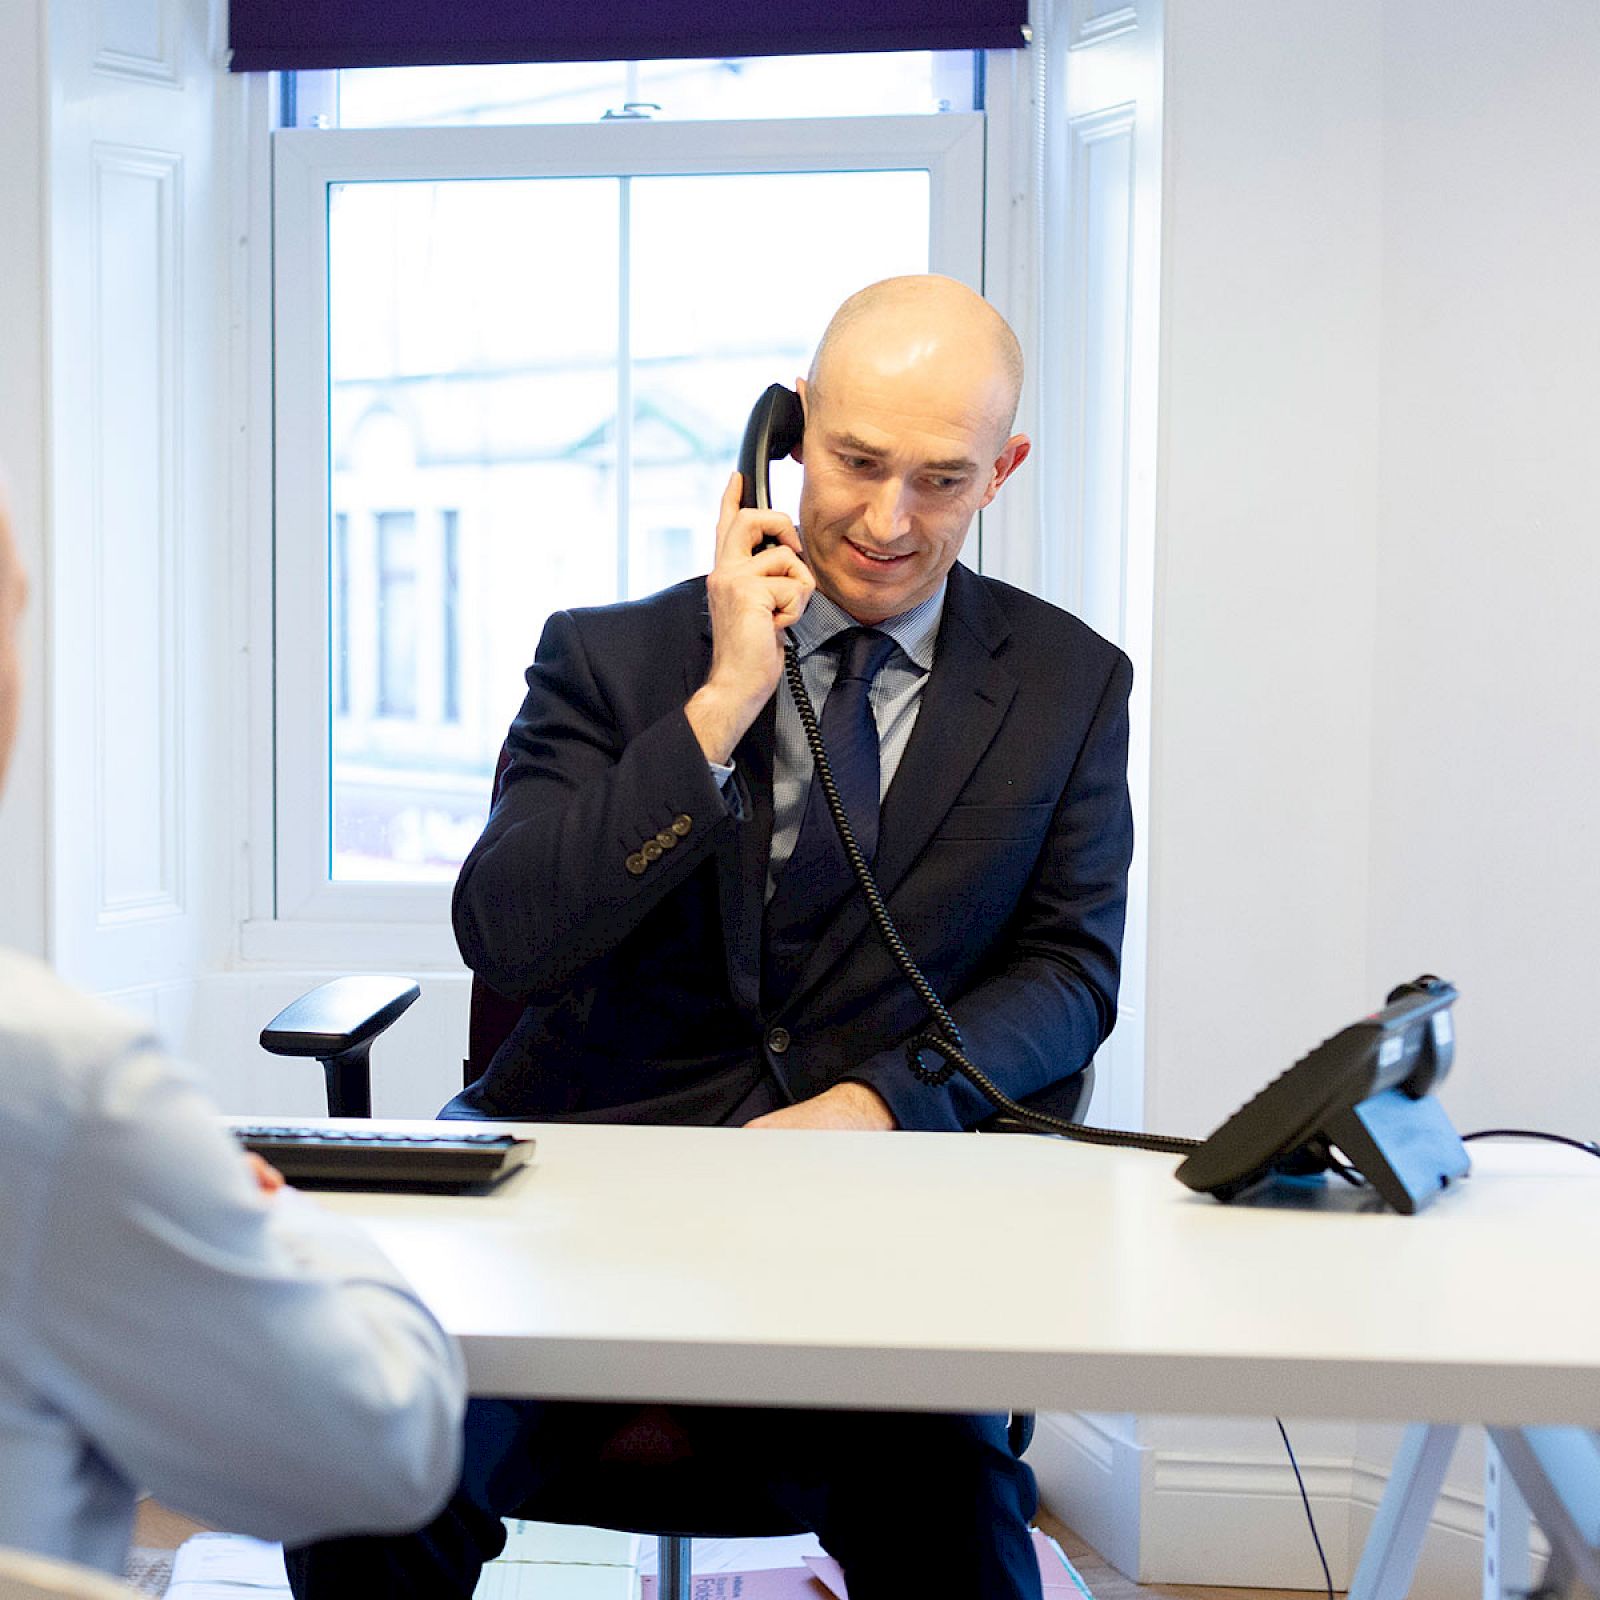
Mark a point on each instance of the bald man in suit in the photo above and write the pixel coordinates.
(659, 888)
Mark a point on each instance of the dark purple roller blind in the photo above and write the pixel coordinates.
(285, 35)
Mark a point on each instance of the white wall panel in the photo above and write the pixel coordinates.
(1100, 255)
(137, 39)
(136, 449)
(136, 532)
(1092, 22)
(1100, 349)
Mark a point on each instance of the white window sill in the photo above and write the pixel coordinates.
(350, 946)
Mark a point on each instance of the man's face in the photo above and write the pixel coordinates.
(13, 592)
(898, 460)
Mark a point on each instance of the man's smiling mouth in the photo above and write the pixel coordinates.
(873, 556)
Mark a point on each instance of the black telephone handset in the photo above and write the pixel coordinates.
(774, 429)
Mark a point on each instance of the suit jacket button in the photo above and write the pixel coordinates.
(650, 850)
(681, 825)
(778, 1041)
(636, 863)
(667, 839)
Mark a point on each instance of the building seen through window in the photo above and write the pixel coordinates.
(536, 393)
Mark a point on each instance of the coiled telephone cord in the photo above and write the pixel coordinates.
(942, 1037)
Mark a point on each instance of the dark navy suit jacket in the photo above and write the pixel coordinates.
(1003, 852)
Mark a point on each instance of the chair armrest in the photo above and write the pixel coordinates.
(336, 1017)
(337, 1023)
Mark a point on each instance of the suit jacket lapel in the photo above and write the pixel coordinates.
(742, 865)
(963, 704)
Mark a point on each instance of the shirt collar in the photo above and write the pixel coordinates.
(916, 631)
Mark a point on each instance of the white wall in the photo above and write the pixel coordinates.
(1376, 727)
(1267, 553)
(1486, 718)
(1376, 731)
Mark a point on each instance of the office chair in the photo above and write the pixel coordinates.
(24, 1576)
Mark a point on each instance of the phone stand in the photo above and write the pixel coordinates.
(1406, 1149)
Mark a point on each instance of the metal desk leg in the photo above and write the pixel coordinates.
(1507, 1563)
(1390, 1556)
(1558, 1472)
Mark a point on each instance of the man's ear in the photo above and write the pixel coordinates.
(1014, 452)
(798, 453)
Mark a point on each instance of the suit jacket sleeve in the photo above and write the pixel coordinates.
(546, 889)
(1048, 998)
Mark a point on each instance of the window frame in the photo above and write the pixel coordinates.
(950, 147)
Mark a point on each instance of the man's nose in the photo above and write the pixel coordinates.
(888, 515)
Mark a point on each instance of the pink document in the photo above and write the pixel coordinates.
(780, 1583)
(822, 1579)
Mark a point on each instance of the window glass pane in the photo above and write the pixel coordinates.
(483, 345)
(884, 84)
(708, 335)
(472, 359)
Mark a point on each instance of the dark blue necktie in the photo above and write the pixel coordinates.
(817, 874)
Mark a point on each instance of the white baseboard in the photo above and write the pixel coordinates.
(1238, 1521)
(1235, 1520)
(1089, 1469)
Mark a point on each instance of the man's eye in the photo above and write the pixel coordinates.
(945, 485)
(855, 463)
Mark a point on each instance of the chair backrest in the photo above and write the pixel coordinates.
(24, 1576)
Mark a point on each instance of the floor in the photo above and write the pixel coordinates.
(161, 1529)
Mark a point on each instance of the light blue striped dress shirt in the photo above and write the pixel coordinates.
(896, 698)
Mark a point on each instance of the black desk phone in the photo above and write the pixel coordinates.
(1363, 1092)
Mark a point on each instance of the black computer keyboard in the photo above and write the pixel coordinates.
(346, 1156)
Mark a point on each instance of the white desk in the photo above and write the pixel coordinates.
(951, 1271)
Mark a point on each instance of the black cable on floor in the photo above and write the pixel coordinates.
(1305, 1500)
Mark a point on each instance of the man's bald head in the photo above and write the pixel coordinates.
(908, 436)
(928, 321)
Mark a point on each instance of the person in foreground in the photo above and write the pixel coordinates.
(659, 888)
(172, 1318)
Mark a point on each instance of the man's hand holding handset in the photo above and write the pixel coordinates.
(754, 594)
